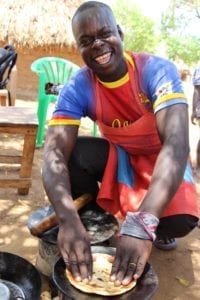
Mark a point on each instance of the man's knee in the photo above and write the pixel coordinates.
(177, 225)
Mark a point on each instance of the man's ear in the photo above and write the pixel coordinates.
(121, 34)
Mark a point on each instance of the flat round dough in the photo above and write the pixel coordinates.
(100, 283)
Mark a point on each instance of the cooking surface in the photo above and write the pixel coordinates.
(100, 225)
(144, 289)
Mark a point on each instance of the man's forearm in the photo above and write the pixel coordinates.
(59, 144)
(57, 186)
(166, 179)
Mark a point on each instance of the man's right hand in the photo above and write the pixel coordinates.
(74, 245)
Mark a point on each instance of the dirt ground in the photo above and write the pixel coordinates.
(178, 271)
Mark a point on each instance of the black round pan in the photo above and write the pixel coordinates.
(100, 225)
(22, 273)
(144, 290)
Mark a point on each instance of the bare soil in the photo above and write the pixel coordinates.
(178, 270)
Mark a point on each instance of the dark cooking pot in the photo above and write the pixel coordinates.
(19, 278)
(144, 290)
(100, 225)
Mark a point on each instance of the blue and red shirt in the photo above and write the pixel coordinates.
(159, 83)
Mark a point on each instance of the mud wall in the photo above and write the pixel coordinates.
(27, 81)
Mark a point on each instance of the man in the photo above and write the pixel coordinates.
(195, 117)
(142, 161)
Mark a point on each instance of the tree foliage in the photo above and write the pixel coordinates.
(186, 49)
(139, 30)
(179, 30)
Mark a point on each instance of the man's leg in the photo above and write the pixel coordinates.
(87, 164)
(173, 227)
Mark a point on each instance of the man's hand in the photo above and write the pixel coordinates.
(194, 118)
(131, 257)
(74, 244)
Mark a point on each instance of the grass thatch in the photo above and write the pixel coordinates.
(32, 23)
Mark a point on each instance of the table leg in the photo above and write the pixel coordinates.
(27, 161)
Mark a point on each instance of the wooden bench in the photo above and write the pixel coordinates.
(19, 121)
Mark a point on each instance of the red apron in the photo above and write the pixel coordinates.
(140, 140)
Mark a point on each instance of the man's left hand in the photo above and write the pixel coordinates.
(131, 257)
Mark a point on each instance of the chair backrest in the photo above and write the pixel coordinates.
(8, 59)
(53, 69)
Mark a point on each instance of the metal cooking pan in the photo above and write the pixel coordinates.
(20, 277)
(144, 290)
(100, 225)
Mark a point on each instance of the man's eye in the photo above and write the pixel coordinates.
(105, 34)
(86, 42)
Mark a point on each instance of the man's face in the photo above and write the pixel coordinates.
(99, 41)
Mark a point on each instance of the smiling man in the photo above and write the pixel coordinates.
(141, 160)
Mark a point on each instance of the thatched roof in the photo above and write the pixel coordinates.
(35, 23)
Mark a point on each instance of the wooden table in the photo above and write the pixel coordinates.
(22, 121)
(3, 97)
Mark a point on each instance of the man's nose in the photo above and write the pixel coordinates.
(97, 42)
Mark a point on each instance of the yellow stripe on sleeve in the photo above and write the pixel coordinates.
(55, 122)
(168, 98)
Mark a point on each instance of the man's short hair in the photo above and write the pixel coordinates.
(91, 4)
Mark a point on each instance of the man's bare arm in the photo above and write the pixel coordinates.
(172, 124)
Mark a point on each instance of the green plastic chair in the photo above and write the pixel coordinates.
(57, 71)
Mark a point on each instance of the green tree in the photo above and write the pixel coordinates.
(179, 30)
(186, 48)
(139, 30)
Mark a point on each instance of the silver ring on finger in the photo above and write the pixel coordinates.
(67, 264)
(70, 263)
(132, 265)
(83, 263)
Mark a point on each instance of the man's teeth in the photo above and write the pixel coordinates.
(103, 59)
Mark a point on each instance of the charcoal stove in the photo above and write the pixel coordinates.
(19, 279)
(145, 288)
